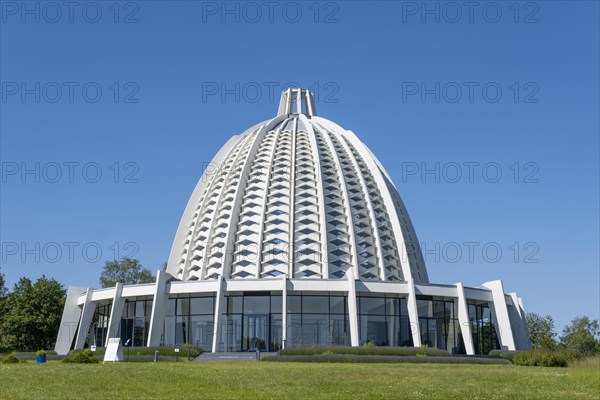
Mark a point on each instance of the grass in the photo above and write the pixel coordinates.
(252, 380)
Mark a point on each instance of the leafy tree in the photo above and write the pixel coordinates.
(32, 314)
(3, 294)
(541, 331)
(127, 271)
(3, 289)
(583, 336)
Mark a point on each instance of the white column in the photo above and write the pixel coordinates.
(463, 319)
(86, 319)
(284, 313)
(500, 315)
(157, 320)
(68, 323)
(413, 313)
(116, 312)
(352, 309)
(219, 308)
(520, 331)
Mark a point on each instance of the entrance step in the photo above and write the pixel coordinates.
(241, 356)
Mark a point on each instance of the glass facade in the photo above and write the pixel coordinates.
(251, 321)
(189, 320)
(485, 338)
(439, 325)
(135, 322)
(317, 320)
(99, 326)
(383, 321)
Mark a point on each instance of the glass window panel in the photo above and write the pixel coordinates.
(405, 332)
(315, 329)
(472, 313)
(424, 308)
(293, 304)
(276, 304)
(201, 305)
(315, 304)
(231, 333)
(201, 331)
(449, 305)
(181, 330)
(486, 315)
(438, 309)
(339, 330)
(148, 308)
(169, 333)
(183, 306)
(337, 304)
(256, 304)
(403, 307)
(392, 306)
(139, 308)
(234, 304)
(373, 330)
(276, 331)
(372, 305)
(294, 330)
(170, 308)
(131, 309)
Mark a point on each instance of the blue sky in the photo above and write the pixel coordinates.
(145, 93)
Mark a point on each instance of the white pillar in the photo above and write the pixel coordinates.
(500, 315)
(157, 320)
(519, 323)
(413, 314)
(284, 313)
(219, 308)
(116, 312)
(352, 308)
(68, 323)
(86, 319)
(463, 319)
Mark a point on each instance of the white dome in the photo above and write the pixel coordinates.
(339, 213)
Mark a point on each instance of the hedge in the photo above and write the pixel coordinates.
(365, 350)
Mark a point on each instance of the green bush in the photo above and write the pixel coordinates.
(364, 350)
(544, 358)
(506, 354)
(84, 357)
(10, 359)
(41, 353)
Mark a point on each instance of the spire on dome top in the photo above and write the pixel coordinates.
(297, 101)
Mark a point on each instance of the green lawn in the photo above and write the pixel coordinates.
(264, 380)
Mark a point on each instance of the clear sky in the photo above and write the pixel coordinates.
(485, 115)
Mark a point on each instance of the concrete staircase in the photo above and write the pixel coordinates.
(242, 356)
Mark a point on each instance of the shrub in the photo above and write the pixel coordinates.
(41, 353)
(363, 350)
(544, 358)
(506, 354)
(351, 358)
(10, 359)
(85, 357)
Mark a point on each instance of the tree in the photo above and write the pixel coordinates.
(127, 271)
(3, 294)
(3, 289)
(583, 336)
(541, 331)
(32, 314)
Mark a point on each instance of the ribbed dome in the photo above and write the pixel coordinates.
(296, 195)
